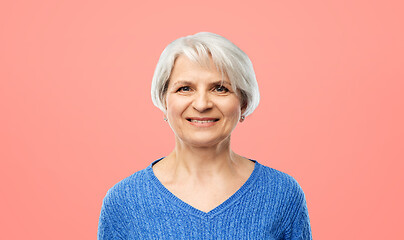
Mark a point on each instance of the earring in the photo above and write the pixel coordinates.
(165, 119)
(242, 118)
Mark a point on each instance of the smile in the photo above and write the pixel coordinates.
(202, 120)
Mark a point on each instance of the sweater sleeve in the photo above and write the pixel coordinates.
(299, 228)
(109, 224)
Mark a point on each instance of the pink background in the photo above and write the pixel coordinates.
(77, 117)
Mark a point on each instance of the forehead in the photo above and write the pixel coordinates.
(189, 70)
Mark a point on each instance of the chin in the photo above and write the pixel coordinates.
(205, 142)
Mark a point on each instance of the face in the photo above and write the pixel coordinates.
(201, 109)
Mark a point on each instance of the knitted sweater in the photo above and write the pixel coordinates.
(270, 205)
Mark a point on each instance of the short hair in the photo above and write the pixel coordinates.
(200, 47)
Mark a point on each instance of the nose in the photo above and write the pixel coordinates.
(202, 102)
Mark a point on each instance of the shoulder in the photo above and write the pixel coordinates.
(126, 190)
(280, 186)
(279, 178)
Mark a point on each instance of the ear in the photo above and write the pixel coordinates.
(243, 101)
(164, 101)
(243, 107)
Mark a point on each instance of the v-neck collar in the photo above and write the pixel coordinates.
(194, 211)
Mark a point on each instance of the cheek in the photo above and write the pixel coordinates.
(232, 108)
(232, 113)
(170, 105)
(174, 105)
(236, 112)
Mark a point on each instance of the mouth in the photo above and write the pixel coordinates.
(202, 120)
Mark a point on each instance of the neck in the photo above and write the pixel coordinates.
(203, 161)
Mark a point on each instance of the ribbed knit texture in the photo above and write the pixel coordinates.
(270, 205)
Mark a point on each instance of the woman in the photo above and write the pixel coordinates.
(205, 85)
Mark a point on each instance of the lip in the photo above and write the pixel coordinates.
(202, 122)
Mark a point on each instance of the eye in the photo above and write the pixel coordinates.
(184, 89)
(221, 89)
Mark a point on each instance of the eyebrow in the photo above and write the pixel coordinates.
(220, 82)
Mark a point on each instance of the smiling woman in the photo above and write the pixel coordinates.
(205, 85)
(203, 110)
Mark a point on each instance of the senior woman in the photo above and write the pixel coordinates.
(205, 85)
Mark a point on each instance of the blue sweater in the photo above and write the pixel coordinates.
(270, 205)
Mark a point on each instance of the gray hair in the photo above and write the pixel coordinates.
(227, 57)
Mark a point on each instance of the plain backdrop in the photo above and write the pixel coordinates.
(76, 114)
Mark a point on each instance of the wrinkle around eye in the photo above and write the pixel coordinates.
(225, 90)
(184, 89)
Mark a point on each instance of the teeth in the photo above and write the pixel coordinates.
(197, 121)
